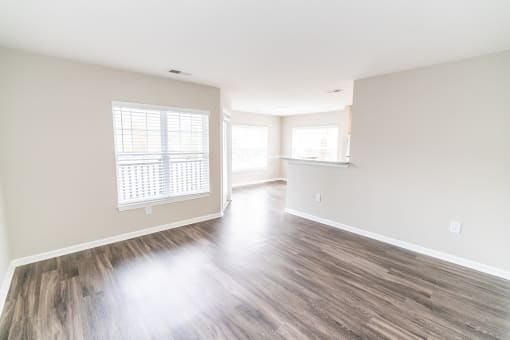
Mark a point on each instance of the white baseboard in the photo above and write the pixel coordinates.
(5, 285)
(406, 245)
(108, 240)
(244, 184)
(6, 282)
(226, 206)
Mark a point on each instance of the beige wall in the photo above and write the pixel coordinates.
(273, 125)
(4, 248)
(338, 118)
(429, 146)
(56, 146)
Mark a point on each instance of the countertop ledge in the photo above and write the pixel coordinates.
(316, 162)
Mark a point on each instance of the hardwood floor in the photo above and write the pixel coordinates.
(257, 273)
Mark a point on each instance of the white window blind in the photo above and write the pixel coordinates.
(249, 147)
(160, 152)
(317, 142)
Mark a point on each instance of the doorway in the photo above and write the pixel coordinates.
(227, 162)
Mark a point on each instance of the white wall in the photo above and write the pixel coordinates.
(4, 247)
(428, 146)
(57, 155)
(273, 169)
(334, 118)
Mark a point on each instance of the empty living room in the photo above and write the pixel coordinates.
(212, 169)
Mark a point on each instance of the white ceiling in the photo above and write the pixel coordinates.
(271, 56)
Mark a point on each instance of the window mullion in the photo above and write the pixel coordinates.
(164, 153)
(180, 167)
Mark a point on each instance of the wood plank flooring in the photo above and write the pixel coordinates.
(257, 273)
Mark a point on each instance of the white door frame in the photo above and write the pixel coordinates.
(226, 174)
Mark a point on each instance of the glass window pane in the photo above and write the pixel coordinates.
(318, 143)
(249, 147)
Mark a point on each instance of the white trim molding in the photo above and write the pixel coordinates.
(6, 284)
(244, 184)
(143, 106)
(304, 161)
(113, 239)
(406, 245)
(227, 204)
(151, 203)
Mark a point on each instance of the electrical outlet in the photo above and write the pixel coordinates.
(455, 227)
(318, 198)
(148, 210)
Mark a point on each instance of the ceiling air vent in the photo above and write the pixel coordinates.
(179, 72)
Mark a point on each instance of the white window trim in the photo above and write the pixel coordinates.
(257, 169)
(165, 200)
(160, 107)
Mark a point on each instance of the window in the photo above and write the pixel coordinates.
(249, 147)
(161, 153)
(318, 142)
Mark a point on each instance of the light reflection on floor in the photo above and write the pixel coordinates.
(187, 282)
(175, 288)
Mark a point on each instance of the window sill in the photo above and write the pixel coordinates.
(316, 162)
(144, 204)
